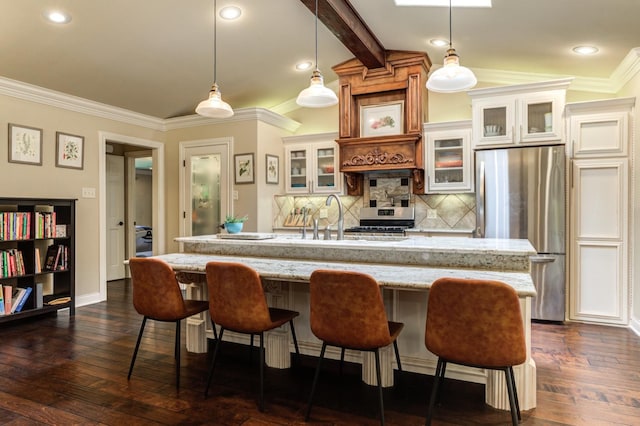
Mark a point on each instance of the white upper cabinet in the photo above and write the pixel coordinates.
(599, 128)
(518, 114)
(312, 164)
(448, 157)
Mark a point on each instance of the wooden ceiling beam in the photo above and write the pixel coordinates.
(347, 25)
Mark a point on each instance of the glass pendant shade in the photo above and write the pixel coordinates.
(317, 95)
(214, 106)
(452, 77)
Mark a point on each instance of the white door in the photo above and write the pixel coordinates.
(115, 217)
(206, 188)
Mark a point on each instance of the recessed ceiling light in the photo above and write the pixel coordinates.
(303, 66)
(230, 12)
(444, 3)
(439, 42)
(585, 50)
(58, 17)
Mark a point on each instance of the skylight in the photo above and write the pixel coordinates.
(444, 3)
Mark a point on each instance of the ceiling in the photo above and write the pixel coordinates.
(155, 57)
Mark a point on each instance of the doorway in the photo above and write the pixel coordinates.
(137, 147)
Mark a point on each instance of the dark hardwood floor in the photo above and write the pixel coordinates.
(62, 370)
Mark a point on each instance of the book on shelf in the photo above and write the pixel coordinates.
(1, 302)
(37, 263)
(18, 295)
(23, 300)
(11, 263)
(56, 258)
(39, 301)
(15, 225)
(8, 293)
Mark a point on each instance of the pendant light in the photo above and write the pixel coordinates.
(214, 106)
(451, 77)
(317, 95)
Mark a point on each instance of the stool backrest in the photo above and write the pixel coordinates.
(347, 310)
(236, 297)
(475, 322)
(156, 293)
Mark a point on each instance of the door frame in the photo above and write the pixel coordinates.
(226, 143)
(158, 179)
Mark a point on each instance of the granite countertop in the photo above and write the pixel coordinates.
(441, 252)
(389, 276)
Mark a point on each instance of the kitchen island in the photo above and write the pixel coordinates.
(404, 268)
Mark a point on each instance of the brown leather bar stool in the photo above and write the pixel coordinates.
(157, 296)
(237, 303)
(476, 323)
(347, 311)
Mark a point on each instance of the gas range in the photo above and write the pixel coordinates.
(384, 220)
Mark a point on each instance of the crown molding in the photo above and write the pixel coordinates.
(627, 69)
(32, 93)
(624, 72)
(244, 114)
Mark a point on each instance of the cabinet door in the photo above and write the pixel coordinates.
(599, 212)
(599, 134)
(297, 172)
(449, 167)
(326, 179)
(540, 117)
(493, 122)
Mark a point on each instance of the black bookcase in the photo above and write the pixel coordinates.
(28, 227)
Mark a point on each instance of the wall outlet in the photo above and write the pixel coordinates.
(88, 193)
(323, 214)
(432, 214)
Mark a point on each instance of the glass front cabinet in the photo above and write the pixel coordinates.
(311, 164)
(448, 157)
(519, 114)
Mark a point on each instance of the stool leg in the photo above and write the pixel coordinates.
(213, 362)
(434, 390)
(315, 382)
(395, 349)
(261, 406)
(377, 353)
(515, 413)
(341, 359)
(295, 340)
(515, 392)
(135, 351)
(251, 350)
(177, 354)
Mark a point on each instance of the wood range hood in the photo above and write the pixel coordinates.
(395, 95)
(382, 78)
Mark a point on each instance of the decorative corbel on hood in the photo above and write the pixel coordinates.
(396, 92)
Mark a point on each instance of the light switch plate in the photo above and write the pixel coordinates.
(323, 214)
(432, 214)
(88, 193)
(235, 195)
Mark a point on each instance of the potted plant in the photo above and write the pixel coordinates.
(233, 224)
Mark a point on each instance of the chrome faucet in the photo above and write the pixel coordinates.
(340, 215)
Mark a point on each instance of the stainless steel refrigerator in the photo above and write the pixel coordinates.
(520, 193)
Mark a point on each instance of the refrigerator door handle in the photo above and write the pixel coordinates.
(481, 200)
(542, 259)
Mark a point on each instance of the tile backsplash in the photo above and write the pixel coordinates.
(442, 212)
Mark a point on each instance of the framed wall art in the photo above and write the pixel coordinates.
(69, 151)
(273, 168)
(25, 144)
(244, 166)
(382, 119)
